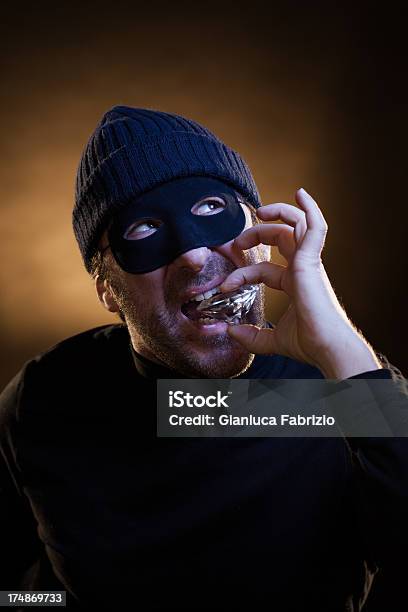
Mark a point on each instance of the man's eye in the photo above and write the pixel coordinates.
(211, 206)
(141, 229)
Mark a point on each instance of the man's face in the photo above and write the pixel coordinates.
(153, 304)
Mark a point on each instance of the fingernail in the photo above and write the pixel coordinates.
(304, 190)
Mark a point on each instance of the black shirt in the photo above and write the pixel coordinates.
(93, 502)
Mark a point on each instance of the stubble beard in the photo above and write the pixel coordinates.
(155, 333)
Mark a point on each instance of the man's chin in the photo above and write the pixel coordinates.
(221, 357)
(194, 350)
(198, 330)
(210, 352)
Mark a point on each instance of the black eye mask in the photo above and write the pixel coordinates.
(179, 230)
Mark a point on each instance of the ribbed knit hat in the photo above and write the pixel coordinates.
(133, 150)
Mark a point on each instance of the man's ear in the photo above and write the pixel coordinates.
(105, 295)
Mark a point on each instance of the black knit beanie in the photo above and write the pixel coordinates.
(133, 150)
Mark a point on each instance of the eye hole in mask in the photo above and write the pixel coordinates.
(143, 228)
(173, 218)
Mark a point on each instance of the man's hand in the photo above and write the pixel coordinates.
(315, 328)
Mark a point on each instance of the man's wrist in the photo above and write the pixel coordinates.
(350, 356)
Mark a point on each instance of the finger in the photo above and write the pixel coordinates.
(255, 340)
(287, 245)
(288, 213)
(315, 235)
(274, 234)
(263, 272)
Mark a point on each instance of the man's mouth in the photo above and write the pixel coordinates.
(189, 308)
(206, 306)
(207, 309)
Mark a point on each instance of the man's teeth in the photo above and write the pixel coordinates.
(207, 294)
(210, 321)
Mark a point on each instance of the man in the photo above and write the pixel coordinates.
(94, 503)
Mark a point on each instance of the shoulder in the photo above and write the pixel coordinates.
(106, 342)
(86, 343)
(85, 356)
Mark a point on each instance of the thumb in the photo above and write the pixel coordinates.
(254, 339)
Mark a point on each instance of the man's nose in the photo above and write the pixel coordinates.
(195, 259)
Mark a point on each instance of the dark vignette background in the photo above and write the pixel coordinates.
(310, 95)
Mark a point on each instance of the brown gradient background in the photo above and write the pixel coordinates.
(308, 96)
